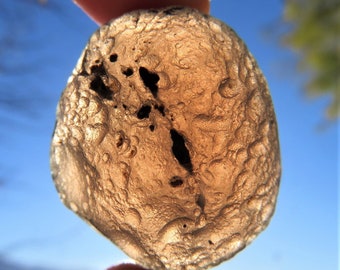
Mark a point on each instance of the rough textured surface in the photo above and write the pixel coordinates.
(166, 139)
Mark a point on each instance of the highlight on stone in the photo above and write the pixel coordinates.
(166, 139)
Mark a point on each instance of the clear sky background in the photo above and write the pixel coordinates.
(36, 230)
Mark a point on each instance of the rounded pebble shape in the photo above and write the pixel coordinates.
(166, 139)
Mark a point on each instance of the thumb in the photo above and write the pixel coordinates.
(126, 267)
(101, 11)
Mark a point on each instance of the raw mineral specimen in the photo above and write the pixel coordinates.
(166, 139)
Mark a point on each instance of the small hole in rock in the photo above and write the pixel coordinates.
(152, 127)
(83, 73)
(176, 181)
(180, 151)
(184, 225)
(210, 242)
(201, 201)
(127, 72)
(98, 70)
(160, 108)
(119, 142)
(150, 80)
(113, 57)
(132, 153)
(100, 88)
(144, 112)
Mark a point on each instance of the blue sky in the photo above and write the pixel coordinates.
(37, 230)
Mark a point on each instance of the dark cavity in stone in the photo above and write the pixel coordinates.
(113, 57)
(127, 72)
(180, 151)
(98, 70)
(160, 108)
(144, 112)
(176, 181)
(150, 80)
(100, 88)
(201, 201)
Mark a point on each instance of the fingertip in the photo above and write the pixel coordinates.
(101, 11)
(127, 266)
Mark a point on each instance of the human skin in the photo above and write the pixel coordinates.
(126, 267)
(101, 11)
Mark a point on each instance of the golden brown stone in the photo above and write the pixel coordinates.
(166, 139)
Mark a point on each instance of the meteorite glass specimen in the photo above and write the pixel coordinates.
(166, 139)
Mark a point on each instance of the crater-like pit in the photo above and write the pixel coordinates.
(150, 80)
(180, 151)
(176, 181)
(144, 112)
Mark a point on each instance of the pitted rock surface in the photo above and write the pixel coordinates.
(166, 139)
